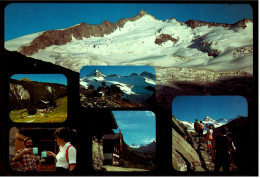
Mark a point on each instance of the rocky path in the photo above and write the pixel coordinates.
(120, 169)
(205, 157)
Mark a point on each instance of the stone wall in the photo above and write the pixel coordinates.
(97, 154)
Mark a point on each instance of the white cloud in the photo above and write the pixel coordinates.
(123, 125)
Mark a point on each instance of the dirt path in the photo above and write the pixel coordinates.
(120, 169)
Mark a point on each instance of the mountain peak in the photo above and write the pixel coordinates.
(142, 13)
(97, 73)
(208, 119)
(25, 79)
(148, 75)
(133, 74)
(120, 23)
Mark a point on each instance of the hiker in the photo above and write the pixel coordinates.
(209, 138)
(222, 149)
(196, 126)
(28, 161)
(201, 129)
(66, 157)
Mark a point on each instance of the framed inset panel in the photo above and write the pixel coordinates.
(38, 98)
(117, 86)
(209, 127)
(130, 146)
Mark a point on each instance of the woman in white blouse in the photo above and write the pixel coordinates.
(66, 157)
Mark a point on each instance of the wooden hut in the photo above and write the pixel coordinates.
(106, 144)
(112, 145)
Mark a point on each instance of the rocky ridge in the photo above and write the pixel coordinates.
(83, 30)
(187, 153)
(23, 93)
(240, 24)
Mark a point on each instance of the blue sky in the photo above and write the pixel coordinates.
(119, 70)
(26, 18)
(49, 78)
(136, 126)
(189, 108)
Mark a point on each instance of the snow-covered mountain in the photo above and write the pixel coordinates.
(151, 147)
(135, 146)
(135, 87)
(207, 122)
(144, 40)
(216, 123)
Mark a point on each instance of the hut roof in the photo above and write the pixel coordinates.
(111, 137)
(99, 119)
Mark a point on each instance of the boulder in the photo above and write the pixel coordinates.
(184, 156)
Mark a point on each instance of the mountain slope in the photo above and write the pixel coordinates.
(144, 40)
(133, 159)
(146, 148)
(24, 93)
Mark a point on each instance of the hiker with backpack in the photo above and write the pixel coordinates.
(66, 157)
(196, 126)
(201, 129)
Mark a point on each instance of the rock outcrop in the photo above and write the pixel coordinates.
(80, 31)
(164, 38)
(97, 154)
(61, 37)
(23, 94)
(195, 23)
(120, 23)
(184, 146)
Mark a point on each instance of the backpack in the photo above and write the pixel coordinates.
(196, 125)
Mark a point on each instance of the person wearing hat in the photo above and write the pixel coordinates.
(223, 147)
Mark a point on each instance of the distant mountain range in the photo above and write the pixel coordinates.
(207, 122)
(144, 40)
(151, 147)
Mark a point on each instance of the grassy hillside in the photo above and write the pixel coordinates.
(59, 114)
(130, 158)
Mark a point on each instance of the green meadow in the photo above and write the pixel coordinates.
(57, 115)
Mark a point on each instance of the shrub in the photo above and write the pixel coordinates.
(32, 110)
